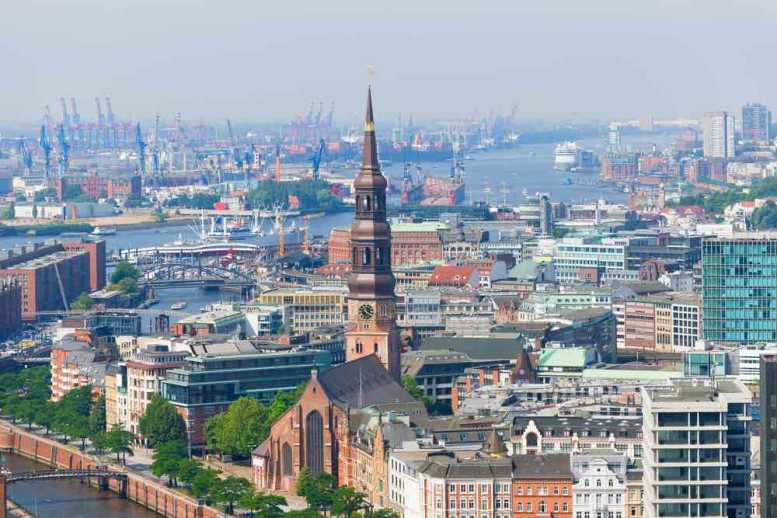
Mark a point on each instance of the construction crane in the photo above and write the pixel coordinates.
(65, 117)
(25, 157)
(45, 145)
(111, 133)
(75, 119)
(141, 150)
(64, 151)
(317, 159)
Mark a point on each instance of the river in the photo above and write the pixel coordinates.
(66, 498)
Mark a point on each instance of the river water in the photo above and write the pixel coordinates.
(66, 498)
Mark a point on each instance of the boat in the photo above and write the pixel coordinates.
(103, 231)
(566, 156)
(178, 306)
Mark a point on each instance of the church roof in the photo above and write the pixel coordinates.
(362, 383)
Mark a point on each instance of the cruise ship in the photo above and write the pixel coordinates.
(566, 156)
(570, 157)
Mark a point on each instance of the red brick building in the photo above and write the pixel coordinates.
(542, 486)
(411, 244)
(96, 186)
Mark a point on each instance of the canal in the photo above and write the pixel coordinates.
(66, 498)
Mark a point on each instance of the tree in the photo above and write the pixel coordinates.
(316, 489)
(83, 302)
(412, 388)
(45, 415)
(228, 491)
(303, 513)
(187, 470)
(161, 423)
(167, 459)
(100, 442)
(97, 418)
(118, 442)
(128, 285)
(159, 215)
(79, 429)
(79, 400)
(380, 513)
(203, 482)
(124, 270)
(346, 501)
(240, 429)
(261, 504)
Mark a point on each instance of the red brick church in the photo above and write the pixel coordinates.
(321, 430)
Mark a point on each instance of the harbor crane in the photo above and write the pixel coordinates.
(237, 158)
(63, 160)
(25, 156)
(141, 150)
(155, 149)
(45, 145)
(317, 159)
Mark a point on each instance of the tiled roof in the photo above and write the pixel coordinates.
(362, 383)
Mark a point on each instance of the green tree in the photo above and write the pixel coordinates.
(45, 415)
(78, 400)
(128, 285)
(79, 429)
(118, 442)
(380, 513)
(317, 490)
(161, 423)
(187, 470)
(412, 388)
(303, 513)
(228, 491)
(82, 303)
(159, 215)
(97, 418)
(124, 270)
(262, 504)
(346, 501)
(167, 459)
(203, 481)
(100, 442)
(240, 429)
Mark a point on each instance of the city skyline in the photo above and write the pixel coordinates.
(254, 63)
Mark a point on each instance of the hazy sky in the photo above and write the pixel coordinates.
(257, 60)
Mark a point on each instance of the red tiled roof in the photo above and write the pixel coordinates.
(451, 275)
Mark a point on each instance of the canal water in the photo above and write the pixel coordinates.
(66, 498)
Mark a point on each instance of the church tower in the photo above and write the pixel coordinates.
(371, 327)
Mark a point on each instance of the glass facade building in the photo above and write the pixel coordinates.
(739, 287)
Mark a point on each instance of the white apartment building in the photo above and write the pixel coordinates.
(146, 369)
(749, 361)
(719, 135)
(697, 449)
(599, 488)
(572, 254)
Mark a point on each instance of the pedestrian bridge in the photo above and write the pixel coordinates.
(60, 474)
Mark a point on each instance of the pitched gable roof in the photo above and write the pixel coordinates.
(362, 383)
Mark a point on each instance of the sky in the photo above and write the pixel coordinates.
(255, 60)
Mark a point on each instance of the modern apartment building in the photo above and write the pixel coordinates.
(719, 135)
(739, 289)
(756, 122)
(662, 323)
(697, 449)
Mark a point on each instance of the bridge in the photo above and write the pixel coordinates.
(184, 273)
(101, 475)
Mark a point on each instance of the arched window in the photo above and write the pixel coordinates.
(358, 201)
(286, 460)
(609, 483)
(366, 203)
(375, 348)
(377, 203)
(598, 482)
(359, 347)
(378, 256)
(367, 257)
(355, 255)
(531, 440)
(314, 442)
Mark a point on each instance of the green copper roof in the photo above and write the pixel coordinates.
(564, 357)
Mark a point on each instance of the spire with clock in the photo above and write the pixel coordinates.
(371, 327)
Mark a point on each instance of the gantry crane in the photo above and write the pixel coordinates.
(45, 145)
(141, 150)
(63, 160)
(25, 157)
(317, 159)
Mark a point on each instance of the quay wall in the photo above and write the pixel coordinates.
(148, 493)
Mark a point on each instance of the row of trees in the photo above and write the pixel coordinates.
(716, 202)
(125, 278)
(246, 424)
(312, 194)
(198, 200)
(322, 495)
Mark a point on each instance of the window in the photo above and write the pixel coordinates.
(565, 507)
(366, 203)
(555, 507)
(564, 491)
(528, 507)
(472, 488)
(541, 507)
(452, 504)
(519, 507)
(367, 257)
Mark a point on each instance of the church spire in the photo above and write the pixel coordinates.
(370, 163)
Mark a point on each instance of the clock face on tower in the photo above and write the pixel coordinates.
(366, 312)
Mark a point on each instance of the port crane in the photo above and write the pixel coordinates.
(45, 145)
(25, 156)
(155, 149)
(237, 158)
(141, 150)
(63, 160)
(317, 159)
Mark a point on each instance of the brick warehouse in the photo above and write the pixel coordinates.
(49, 272)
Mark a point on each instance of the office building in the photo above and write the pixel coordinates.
(307, 309)
(574, 257)
(218, 374)
(739, 292)
(697, 449)
(719, 135)
(768, 396)
(10, 307)
(756, 122)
